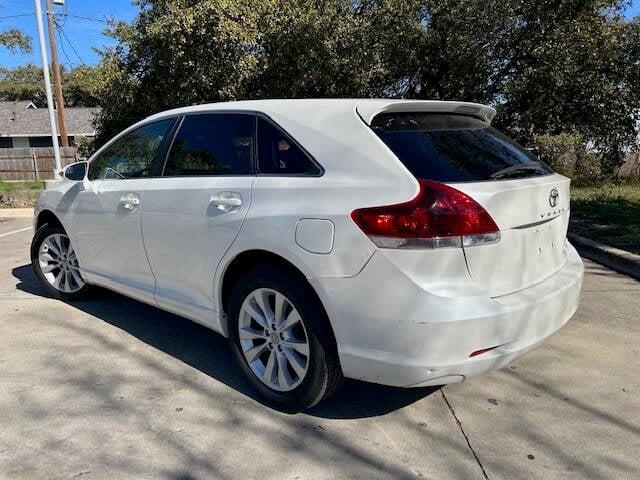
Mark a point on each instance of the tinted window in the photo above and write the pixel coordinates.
(453, 148)
(132, 155)
(277, 153)
(216, 144)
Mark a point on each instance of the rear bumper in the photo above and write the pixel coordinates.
(391, 330)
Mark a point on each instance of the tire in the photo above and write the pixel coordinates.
(322, 376)
(69, 287)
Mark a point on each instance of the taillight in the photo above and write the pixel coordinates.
(439, 216)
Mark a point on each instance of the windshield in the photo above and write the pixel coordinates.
(454, 148)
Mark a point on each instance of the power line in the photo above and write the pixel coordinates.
(58, 15)
(64, 52)
(17, 16)
(92, 19)
(71, 45)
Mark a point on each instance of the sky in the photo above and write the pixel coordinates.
(80, 36)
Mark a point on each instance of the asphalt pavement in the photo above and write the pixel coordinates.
(113, 388)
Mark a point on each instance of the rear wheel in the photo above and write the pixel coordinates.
(55, 263)
(282, 339)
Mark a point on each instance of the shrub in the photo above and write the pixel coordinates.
(568, 155)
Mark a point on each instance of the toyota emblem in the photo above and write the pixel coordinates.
(553, 197)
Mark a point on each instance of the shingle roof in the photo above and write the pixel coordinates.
(18, 120)
(17, 104)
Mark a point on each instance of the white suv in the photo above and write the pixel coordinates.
(406, 243)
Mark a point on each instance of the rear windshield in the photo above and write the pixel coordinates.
(454, 148)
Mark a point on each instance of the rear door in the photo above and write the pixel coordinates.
(106, 212)
(193, 213)
(528, 202)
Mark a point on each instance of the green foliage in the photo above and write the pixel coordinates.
(27, 83)
(22, 83)
(550, 67)
(336, 49)
(15, 40)
(568, 155)
(183, 52)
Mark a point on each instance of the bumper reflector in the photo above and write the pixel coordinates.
(482, 350)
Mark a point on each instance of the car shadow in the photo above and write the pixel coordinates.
(210, 353)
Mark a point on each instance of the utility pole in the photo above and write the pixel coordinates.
(57, 81)
(47, 89)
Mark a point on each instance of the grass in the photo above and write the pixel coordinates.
(607, 212)
(19, 194)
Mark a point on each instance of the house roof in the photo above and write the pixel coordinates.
(21, 119)
(17, 104)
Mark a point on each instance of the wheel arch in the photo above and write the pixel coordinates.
(47, 216)
(245, 261)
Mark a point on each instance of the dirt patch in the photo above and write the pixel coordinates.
(10, 201)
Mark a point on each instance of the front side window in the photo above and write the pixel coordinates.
(132, 155)
(278, 154)
(212, 144)
(454, 148)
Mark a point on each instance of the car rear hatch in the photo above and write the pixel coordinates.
(532, 215)
(528, 203)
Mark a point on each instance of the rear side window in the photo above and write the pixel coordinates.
(132, 155)
(278, 154)
(212, 144)
(454, 148)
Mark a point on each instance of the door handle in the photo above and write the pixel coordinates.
(226, 201)
(130, 201)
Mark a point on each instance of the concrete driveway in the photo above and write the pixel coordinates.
(113, 388)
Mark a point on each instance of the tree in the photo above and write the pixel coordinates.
(549, 66)
(182, 52)
(176, 52)
(15, 40)
(22, 83)
(26, 82)
(337, 49)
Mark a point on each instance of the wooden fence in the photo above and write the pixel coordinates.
(32, 163)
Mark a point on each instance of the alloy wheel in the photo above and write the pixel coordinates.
(59, 265)
(273, 339)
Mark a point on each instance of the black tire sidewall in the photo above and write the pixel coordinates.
(43, 232)
(315, 383)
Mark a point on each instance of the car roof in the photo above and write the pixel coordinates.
(367, 109)
(335, 132)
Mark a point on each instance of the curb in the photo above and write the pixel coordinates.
(619, 260)
(16, 212)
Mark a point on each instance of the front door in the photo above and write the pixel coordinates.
(106, 214)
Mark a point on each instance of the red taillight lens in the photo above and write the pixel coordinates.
(439, 216)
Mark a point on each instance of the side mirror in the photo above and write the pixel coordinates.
(75, 171)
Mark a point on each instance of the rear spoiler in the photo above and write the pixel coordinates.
(368, 109)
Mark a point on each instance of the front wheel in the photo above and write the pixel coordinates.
(282, 339)
(55, 263)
